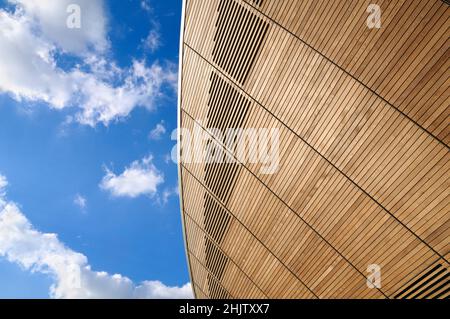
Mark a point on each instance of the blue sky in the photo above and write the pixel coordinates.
(86, 116)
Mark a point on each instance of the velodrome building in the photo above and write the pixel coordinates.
(352, 200)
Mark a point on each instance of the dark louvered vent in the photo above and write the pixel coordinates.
(216, 260)
(217, 219)
(433, 283)
(238, 39)
(228, 108)
(220, 178)
(258, 2)
(216, 291)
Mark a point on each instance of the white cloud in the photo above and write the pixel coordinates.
(80, 201)
(140, 178)
(51, 18)
(153, 40)
(158, 131)
(27, 66)
(33, 36)
(73, 277)
(103, 102)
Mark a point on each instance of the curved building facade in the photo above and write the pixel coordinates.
(315, 148)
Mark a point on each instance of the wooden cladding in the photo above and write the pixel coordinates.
(238, 39)
(405, 62)
(364, 137)
(433, 283)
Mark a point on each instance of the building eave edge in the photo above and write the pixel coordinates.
(180, 184)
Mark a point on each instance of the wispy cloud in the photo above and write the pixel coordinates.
(72, 275)
(80, 201)
(153, 40)
(158, 131)
(145, 5)
(140, 178)
(167, 193)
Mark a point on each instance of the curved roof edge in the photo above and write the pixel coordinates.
(180, 184)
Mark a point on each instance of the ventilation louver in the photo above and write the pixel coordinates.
(216, 291)
(433, 283)
(238, 39)
(217, 219)
(216, 260)
(228, 108)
